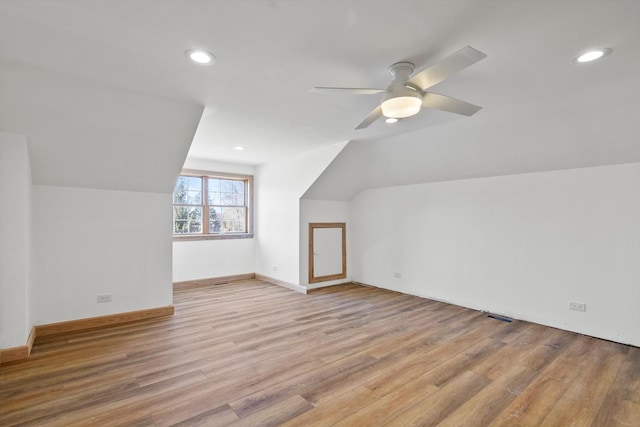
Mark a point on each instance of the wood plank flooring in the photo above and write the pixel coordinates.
(253, 354)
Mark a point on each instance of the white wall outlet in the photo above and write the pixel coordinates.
(397, 275)
(274, 268)
(104, 298)
(578, 306)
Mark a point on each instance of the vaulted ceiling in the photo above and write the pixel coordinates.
(107, 79)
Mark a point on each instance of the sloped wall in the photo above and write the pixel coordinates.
(520, 245)
(279, 187)
(89, 135)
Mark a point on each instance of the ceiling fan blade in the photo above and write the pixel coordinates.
(372, 117)
(446, 103)
(355, 90)
(446, 67)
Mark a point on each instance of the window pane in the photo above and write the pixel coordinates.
(214, 191)
(187, 220)
(234, 220)
(180, 192)
(215, 225)
(188, 191)
(195, 190)
(240, 200)
(195, 183)
(214, 185)
(194, 197)
(226, 192)
(238, 187)
(214, 198)
(227, 199)
(226, 186)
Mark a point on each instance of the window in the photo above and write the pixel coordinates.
(212, 206)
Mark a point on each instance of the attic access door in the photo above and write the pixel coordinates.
(327, 251)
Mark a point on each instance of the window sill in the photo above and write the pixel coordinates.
(178, 238)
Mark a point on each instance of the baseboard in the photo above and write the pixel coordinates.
(282, 283)
(23, 351)
(226, 279)
(101, 321)
(14, 353)
(20, 352)
(365, 284)
(213, 281)
(319, 288)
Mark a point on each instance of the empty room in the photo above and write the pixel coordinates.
(320, 212)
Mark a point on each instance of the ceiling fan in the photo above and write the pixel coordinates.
(406, 94)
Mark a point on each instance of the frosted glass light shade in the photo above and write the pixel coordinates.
(401, 106)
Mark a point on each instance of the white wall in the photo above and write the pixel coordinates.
(520, 245)
(88, 242)
(205, 259)
(321, 211)
(15, 241)
(279, 186)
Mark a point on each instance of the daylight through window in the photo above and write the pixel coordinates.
(212, 205)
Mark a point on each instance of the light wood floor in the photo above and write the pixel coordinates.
(254, 354)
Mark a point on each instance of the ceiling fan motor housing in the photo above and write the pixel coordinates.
(401, 71)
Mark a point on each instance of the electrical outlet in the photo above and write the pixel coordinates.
(274, 268)
(104, 298)
(578, 306)
(397, 275)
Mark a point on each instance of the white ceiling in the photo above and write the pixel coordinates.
(271, 53)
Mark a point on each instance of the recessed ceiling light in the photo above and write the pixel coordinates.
(592, 55)
(391, 120)
(239, 148)
(200, 56)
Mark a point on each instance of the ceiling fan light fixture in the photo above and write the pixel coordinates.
(399, 107)
(407, 93)
(390, 120)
